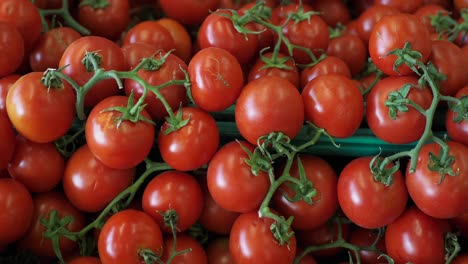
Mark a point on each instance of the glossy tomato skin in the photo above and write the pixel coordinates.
(85, 260)
(217, 251)
(351, 49)
(330, 64)
(417, 238)
(258, 69)
(135, 52)
(193, 145)
(251, 241)
(401, 5)
(12, 48)
(38, 113)
(39, 166)
(17, 204)
(392, 32)
(5, 84)
(269, 104)
(90, 185)
(125, 234)
(7, 141)
(333, 12)
(118, 146)
(366, 202)
(440, 200)
(370, 17)
(44, 203)
(231, 182)
(324, 180)
(173, 190)
(188, 12)
(181, 37)
(152, 33)
(334, 103)
(457, 131)
(196, 255)
(408, 126)
(111, 59)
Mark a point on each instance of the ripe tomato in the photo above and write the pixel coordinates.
(408, 126)
(444, 199)
(258, 69)
(196, 255)
(461, 259)
(362, 198)
(50, 47)
(269, 104)
(401, 5)
(351, 49)
(281, 12)
(135, 52)
(152, 33)
(217, 251)
(216, 77)
(334, 103)
(188, 12)
(417, 238)
(7, 141)
(39, 166)
(5, 84)
(85, 260)
(118, 145)
(364, 238)
(106, 21)
(330, 64)
(370, 17)
(392, 32)
(111, 59)
(34, 239)
(266, 36)
(252, 241)
(12, 48)
(181, 37)
(193, 145)
(90, 185)
(231, 182)
(426, 11)
(324, 180)
(173, 190)
(457, 131)
(126, 234)
(17, 204)
(333, 12)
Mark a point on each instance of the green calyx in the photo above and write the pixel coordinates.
(153, 64)
(132, 112)
(397, 101)
(304, 189)
(460, 109)
(282, 230)
(95, 4)
(51, 80)
(91, 61)
(382, 174)
(442, 163)
(175, 122)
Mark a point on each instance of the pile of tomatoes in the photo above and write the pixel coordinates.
(112, 147)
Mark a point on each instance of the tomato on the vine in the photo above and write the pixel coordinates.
(363, 237)
(367, 19)
(195, 255)
(351, 49)
(12, 48)
(288, 70)
(457, 131)
(330, 64)
(188, 12)
(181, 37)
(152, 33)
(5, 84)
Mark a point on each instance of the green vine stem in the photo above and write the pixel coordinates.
(447, 27)
(67, 18)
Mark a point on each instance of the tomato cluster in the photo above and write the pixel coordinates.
(116, 139)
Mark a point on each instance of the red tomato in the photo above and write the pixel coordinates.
(17, 204)
(193, 145)
(118, 145)
(333, 12)
(181, 37)
(261, 108)
(266, 36)
(392, 32)
(196, 255)
(85, 260)
(107, 20)
(44, 203)
(457, 131)
(307, 259)
(426, 11)
(90, 185)
(252, 241)
(216, 77)
(461, 259)
(365, 238)
(11, 47)
(5, 84)
(39, 166)
(324, 180)
(231, 182)
(135, 52)
(446, 199)
(125, 234)
(401, 5)
(351, 49)
(330, 64)
(258, 69)
(111, 59)
(334, 103)
(281, 12)
(217, 251)
(152, 33)
(361, 197)
(408, 126)
(7, 141)
(188, 12)
(370, 17)
(417, 238)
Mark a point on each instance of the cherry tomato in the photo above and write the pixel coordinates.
(118, 144)
(370, 17)
(181, 37)
(330, 64)
(217, 251)
(457, 131)
(188, 12)
(17, 204)
(260, 68)
(7, 141)
(281, 12)
(126, 234)
(85, 260)
(401, 5)
(365, 238)
(266, 36)
(193, 145)
(196, 255)
(252, 241)
(426, 11)
(12, 48)
(351, 49)
(5, 84)
(152, 33)
(333, 12)
(135, 52)
(261, 108)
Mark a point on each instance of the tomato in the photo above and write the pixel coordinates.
(218, 31)
(333, 12)
(188, 12)
(34, 239)
(324, 180)
(90, 185)
(261, 108)
(216, 77)
(266, 36)
(111, 59)
(104, 20)
(334, 103)
(50, 47)
(408, 126)
(135, 52)
(438, 199)
(12, 48)
(281, 12)
(152, 33)
(392, 32)
(351, 49)
(5, 84)
(449, 60)
(457, 131)
(39, 166)
(231, 182)
(401, 5)
(193, 145)
(196, 255)
(330, 64)
(259, 69)
(217, 251)
(370, 17)
(126, 234)
(425, 13)
(181, 37)
(85, 260)
(175, 95)
(17, 204)
(460, 224)
(118, 144)
(307, 259)
(7, 141)
(461, 259)
(365, 238)
(252, 241)
(417, 238)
